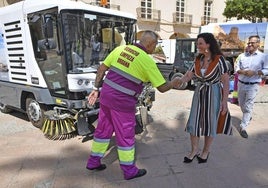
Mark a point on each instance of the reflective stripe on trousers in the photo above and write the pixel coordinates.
(126, 155)
(123, 124)
(99, 147)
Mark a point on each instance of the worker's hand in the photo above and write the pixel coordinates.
(176, 82)
(92, 97)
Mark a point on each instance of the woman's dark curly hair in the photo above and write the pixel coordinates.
(214, 46)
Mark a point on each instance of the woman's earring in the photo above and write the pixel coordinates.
(206, 50)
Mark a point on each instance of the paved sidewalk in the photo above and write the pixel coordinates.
(29, 160)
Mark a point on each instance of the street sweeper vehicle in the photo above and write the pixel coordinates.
(49, 54)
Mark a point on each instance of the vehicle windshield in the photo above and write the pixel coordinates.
(185, 53)
(88, 38)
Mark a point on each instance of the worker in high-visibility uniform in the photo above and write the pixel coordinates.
(128, 67)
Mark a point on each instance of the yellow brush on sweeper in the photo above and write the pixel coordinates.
(59, 126)
(61, 123)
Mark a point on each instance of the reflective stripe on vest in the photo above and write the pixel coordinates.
(122, 88)
(126, 75)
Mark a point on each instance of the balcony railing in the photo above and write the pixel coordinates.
(182, 18)
(206, 20)
(110, 6)
(148, 14)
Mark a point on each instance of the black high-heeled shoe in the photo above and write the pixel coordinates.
(188, 160)
(201, 160)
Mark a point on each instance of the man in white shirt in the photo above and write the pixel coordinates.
(250, 68)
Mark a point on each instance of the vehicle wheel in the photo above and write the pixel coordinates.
(35, 112)
(4, 109)
(182, 86)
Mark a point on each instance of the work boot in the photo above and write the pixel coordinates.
(98, 168)
(140, 173)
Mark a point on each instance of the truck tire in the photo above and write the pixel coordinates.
(4, 109)
(35, 112)
(182, 86)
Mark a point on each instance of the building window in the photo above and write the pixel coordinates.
(180, 10)
(207, 12)
(146, 9)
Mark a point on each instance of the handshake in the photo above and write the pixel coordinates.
(176, 82)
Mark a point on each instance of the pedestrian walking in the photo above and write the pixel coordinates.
(251, 66)
(235, 91)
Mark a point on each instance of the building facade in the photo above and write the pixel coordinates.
(170, 19)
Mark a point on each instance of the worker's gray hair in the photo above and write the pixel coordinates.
(150, 33)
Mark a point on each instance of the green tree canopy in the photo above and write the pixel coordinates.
(248, 9)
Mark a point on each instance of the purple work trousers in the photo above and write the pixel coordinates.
(123, 125)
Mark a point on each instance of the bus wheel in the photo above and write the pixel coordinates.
(4, 109)
(182, 86)
(34, 112)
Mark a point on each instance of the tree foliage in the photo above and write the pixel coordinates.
(253, 11)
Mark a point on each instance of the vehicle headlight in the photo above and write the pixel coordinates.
(80, 82)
